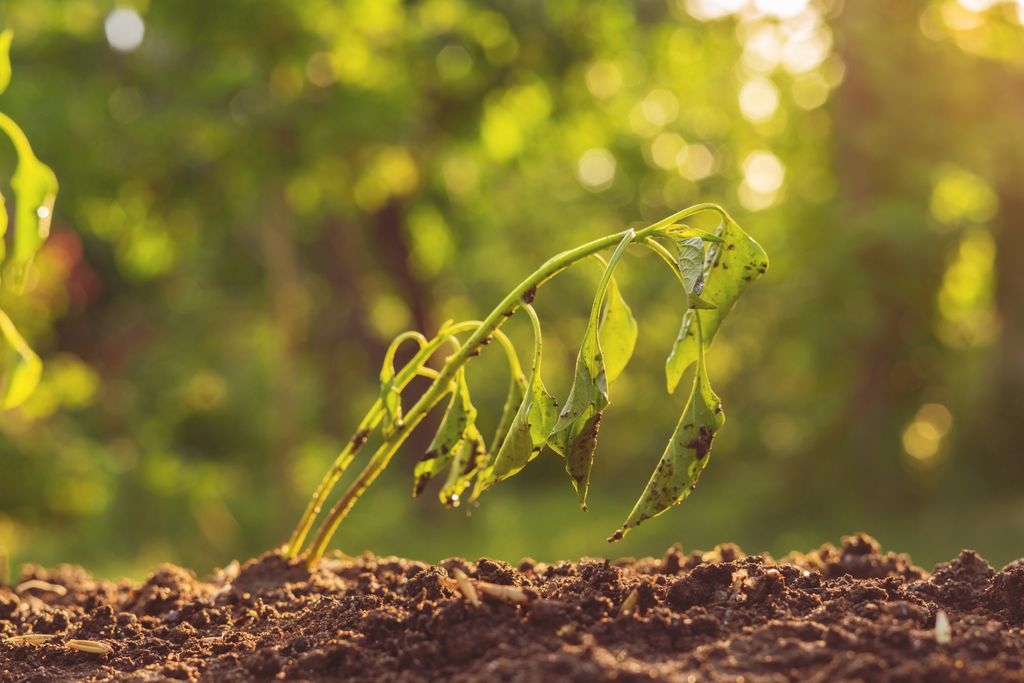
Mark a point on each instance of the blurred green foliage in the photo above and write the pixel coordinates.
(257, 196)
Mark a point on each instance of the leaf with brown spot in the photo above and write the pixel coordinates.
(457, 424)
(575, 432)
(685, 456)
(530, 427)
(729, 267)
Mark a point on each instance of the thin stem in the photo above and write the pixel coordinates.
(506, 344)
(17, 136)
(665, 256)
(523, 294)
(537, 340)
(366, 427)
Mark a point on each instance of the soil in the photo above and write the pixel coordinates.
(835, 614)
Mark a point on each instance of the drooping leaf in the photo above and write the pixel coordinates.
(686, 455)
(729, 267)
(530, 426)
(517, 389)
(574, 435)
(5, 59)
(21, 368)
(618, 332)
(459, 420)
(470, 458)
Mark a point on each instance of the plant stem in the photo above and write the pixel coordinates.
(366, 427)
(523, 293)
(665, 256)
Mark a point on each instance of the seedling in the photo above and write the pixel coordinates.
(713, 268)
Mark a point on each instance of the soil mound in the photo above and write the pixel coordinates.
(835, 614)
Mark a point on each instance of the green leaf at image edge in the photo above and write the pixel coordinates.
(21, 367)
(5, 59)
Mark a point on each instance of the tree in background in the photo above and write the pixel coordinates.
(256, 196)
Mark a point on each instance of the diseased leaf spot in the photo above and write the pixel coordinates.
(701, 444)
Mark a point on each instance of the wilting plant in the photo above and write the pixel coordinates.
(713, 268)
(35, 190)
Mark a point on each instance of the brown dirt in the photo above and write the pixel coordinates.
(836, 614)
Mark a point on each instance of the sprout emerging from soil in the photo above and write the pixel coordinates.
(714, 268)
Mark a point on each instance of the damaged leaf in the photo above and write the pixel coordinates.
(458, 422)
(470, 458)
(574, 435)
(728, 268)
(513, 399)
(530, 426)
(686, 454)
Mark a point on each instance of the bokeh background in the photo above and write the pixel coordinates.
(256, 196)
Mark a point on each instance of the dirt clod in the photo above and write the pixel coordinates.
(843, 613)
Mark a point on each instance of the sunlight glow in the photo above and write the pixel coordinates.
(709, 10)
(923, 437)
(665, 150)
(781, 8)
(125, 29)
(596, 169)
(696, 162)
(604, 79)
(965, 300)
(762, 48)
(759, 99)
(763, 172)
(660, 107)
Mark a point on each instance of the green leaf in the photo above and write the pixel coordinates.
(469, 459)
(21, 368)
(35, 191)
(574, 435)
(530, 426)
(729, 268)
(458, 422)
(5, 59)
(690, 257)
(618, 332)
(3, 223)
(686, 455)
(517, 389)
